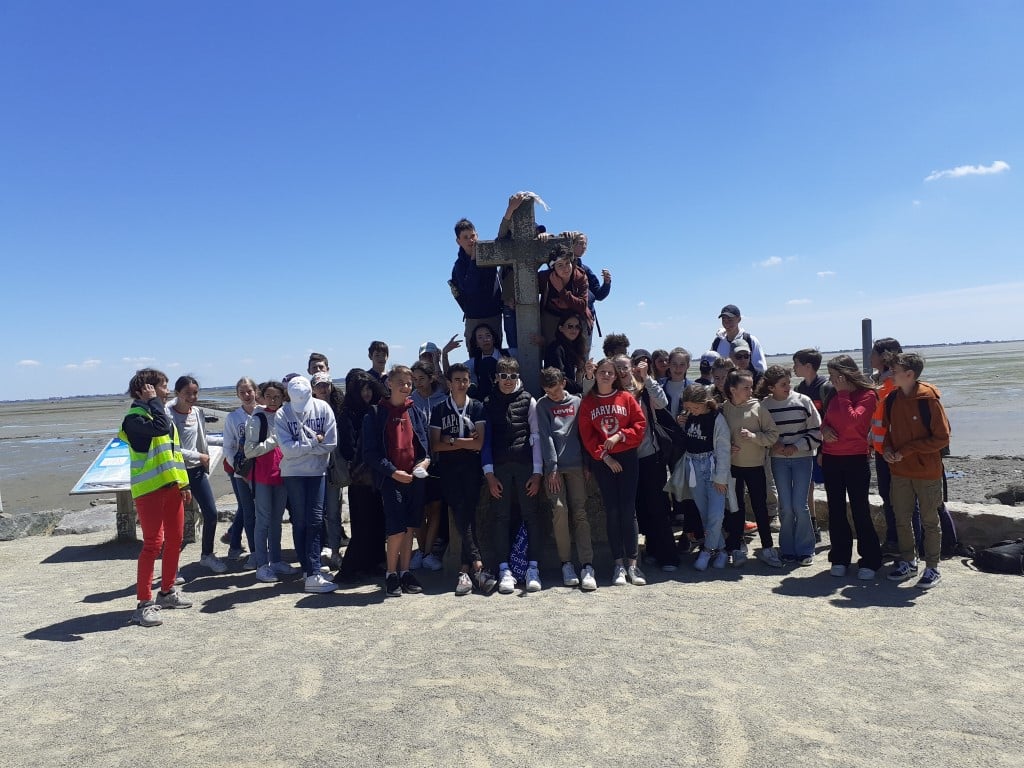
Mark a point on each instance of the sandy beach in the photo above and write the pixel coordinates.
(758, 667)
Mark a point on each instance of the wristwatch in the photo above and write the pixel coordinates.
(451, 441)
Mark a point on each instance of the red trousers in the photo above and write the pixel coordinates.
(162, 517)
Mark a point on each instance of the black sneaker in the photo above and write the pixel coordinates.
(410, 585)
(903, 571)
(392, 586)
(485, 581)
(930, 578)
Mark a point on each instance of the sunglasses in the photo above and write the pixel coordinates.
(742, 355)
(508, 376)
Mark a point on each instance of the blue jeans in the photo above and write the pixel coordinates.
(306, 504)
(199, 483)
(245, 517)
(270, 501)
(792, 480)
(709, 501)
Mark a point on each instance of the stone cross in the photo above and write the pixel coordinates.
(524, 252)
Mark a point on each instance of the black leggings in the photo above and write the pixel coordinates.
(652, 510)
(754, 480)
(619, 494)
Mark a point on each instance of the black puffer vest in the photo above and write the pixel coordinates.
(508, 418)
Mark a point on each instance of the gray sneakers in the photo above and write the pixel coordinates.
(147, 615)
(173, 599)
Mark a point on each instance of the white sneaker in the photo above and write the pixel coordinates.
(636, 576)
(432, 563)
(317, 583)
(739, 558)
(619, 576)
(506, 581)
(417, 561)
(588, 583)
(721, 560)
(865, 574)
(569, 577)
(703, 559)
(533, 578)
(770, 556)
(265, 573)
(464, 585)
(214, 563)
(284, 569)
(838, 570)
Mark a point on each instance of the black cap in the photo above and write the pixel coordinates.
(730, 309)
(639, 353)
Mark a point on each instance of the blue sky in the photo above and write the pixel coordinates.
(220, 188)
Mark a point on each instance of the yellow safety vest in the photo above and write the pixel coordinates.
(161, 466)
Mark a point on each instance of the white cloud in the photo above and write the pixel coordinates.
(84, 365)
(968, 170)
(28, 363)
(794, 302)
(641, 304)
(826, 273)
(138, 361)
(916, 203)
(774, 261)
(651, 326)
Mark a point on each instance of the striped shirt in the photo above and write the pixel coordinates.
(798, 421)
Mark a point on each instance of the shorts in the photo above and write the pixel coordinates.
(403, 505)
(432, 490)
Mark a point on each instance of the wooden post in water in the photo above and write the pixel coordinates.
(865, 345)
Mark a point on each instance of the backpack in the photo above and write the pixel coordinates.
(243, 465)
(745, 336)
(1002, 557)
(924, 411)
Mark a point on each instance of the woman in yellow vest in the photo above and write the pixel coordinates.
(160, 491)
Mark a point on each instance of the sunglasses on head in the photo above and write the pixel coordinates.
(508, 376)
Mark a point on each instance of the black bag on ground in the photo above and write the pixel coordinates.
(1002, 557)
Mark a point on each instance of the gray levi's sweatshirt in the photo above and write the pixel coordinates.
(559, 434)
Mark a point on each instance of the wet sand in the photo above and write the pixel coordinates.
(46, 446)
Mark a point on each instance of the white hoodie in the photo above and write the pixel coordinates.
(297, 425)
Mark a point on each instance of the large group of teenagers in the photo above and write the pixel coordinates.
(415, 447)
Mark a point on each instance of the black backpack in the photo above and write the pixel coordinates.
(923, 409)
(1001, 557)
(745, 336)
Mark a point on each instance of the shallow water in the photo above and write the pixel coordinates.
(981, 387)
